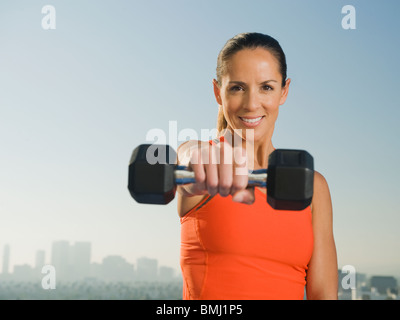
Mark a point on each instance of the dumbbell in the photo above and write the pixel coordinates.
(154, 176)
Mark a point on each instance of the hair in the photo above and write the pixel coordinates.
(249, 40)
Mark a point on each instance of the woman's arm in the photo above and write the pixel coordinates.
(322, 274)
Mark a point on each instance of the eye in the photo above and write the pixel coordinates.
(236, 88)
(267, 87)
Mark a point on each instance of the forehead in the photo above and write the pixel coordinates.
(250, 63)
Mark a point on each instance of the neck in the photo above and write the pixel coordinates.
(258, 153)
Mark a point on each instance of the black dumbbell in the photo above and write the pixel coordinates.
(154, 176)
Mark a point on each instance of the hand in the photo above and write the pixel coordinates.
(221, 169)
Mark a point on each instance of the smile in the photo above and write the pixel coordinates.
(251, 122)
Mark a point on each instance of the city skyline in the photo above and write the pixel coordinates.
(394, 271)
(72, 261)
(40, 259)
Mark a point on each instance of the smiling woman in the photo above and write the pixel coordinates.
(249, 42)
(233, 244)
(239, 100)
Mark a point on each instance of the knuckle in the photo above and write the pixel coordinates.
(225, 184)
(224, 192)
(212, 185)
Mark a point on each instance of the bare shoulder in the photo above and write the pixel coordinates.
(320, 181)
(321, 201)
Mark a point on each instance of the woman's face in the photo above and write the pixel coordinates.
(251, 92)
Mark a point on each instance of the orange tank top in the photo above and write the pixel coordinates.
(235, 251)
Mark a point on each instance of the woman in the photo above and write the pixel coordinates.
(233, 244)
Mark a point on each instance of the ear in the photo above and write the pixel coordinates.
(217, 92)
(285, 91)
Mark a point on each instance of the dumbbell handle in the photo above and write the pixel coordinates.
(257, 178)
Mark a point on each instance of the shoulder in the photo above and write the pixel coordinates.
(319, 181)
(321, 198)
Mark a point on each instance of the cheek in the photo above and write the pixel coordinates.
(232, 105)
(271, 104)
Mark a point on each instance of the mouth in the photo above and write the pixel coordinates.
(251, 121)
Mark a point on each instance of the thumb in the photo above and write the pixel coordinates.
(244, 196)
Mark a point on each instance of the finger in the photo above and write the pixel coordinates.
(240, 171)
(197, 166)
(211, 169)
(225, 170)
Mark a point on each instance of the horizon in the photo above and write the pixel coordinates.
(133, 262)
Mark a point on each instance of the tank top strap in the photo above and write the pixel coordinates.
(217, 140)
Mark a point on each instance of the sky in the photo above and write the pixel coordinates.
(76, 100)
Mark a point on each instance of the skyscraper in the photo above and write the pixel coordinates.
(72, 262)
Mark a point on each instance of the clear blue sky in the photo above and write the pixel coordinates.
(76, 100)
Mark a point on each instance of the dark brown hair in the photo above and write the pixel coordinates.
(249, 40)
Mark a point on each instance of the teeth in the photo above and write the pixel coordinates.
(251, 120)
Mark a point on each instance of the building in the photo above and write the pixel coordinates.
(23, 273)
(79, 260)
(116, 268)
(60, 252)
(71, 262)
(351, 283)
(166, 274)
(384, 284)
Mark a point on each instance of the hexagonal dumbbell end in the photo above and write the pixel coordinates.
(290, 179)
(151, 174)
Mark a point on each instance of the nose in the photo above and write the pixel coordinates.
(251, 101)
